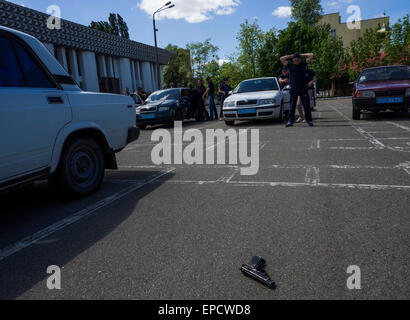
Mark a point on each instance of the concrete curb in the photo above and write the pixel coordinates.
(334, 98)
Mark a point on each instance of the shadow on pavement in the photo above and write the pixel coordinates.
(29, 210)
(388, 115)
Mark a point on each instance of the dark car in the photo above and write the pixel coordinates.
(381, 89)
(164, 107)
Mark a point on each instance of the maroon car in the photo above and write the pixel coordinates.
(382, 88)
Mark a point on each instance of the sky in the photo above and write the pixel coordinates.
(197, 20)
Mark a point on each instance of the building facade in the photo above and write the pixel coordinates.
(339, 29)
(98, 61)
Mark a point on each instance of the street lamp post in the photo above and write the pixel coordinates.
(168, 5)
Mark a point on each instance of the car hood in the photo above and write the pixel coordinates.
(383, 85)
(159, 103)
(253, 95)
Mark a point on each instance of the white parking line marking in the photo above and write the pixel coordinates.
(356, 148)
(370, 138)
(294, 184)
(399, 126)
(34, 238)
(373, 140)
(315, 145)
(312, 175)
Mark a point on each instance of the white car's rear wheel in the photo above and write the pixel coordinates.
(81, 169)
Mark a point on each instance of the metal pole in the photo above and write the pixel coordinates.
(156, 52)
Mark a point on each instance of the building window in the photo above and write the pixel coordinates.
(333, 34)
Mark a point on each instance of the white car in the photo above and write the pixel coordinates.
(257, 99)
(49, 127)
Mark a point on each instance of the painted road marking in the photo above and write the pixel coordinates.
(44, 233)
(399, 126)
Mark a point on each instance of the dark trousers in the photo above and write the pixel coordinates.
(212, 107)
(221, 114)
(201, 110)
(304, 97)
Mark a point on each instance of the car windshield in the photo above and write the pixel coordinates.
(172, 94)
(385, 74)
(257, 85)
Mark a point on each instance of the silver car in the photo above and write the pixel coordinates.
(259, 98)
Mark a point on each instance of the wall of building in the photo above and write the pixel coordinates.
(348, 35)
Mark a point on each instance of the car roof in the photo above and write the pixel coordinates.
(260, 78)
(380, 67)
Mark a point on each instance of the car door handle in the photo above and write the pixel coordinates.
(55, 100)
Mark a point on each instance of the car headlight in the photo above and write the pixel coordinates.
(162, 109)
(267, 101)
(229, 104)
(367, 94)
(138, 110)
(408, 92)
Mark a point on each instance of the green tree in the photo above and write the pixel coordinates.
(250, 38)
(307, 12)
(212, 70)
(397, 43)
(267, 55)
(201, 54)
(329, 57)
(178, 69)
(365, 52)
(115, 25)
(232, 71)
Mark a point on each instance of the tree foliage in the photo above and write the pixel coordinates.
(250, 39)
(201, 54)
(115, 25)
(178, 69)
(307, 12)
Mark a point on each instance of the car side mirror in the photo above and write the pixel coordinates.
(351, 83)
(230, 93)
(287, 88)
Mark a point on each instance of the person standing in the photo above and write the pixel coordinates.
(284, 78)
(141, 93)
(224, 90)
(211, 94)
(297, 75)
(311, 78)
(201, 101)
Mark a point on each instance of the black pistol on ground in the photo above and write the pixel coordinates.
(255, 270)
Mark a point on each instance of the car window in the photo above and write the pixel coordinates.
(35, 77)
(172, 94)
(10, 73)
(385, 74)
(257, 85)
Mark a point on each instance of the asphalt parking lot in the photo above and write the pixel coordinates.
(325, 198)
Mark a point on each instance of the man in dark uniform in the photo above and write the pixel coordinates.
(201, 100)
(284, 78)
(224, 90)
(298, 83)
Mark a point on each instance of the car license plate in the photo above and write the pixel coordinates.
(246, 111)
(390, 100)
(147, 116)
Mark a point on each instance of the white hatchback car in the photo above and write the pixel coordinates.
(259, 98)
(49, 127)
